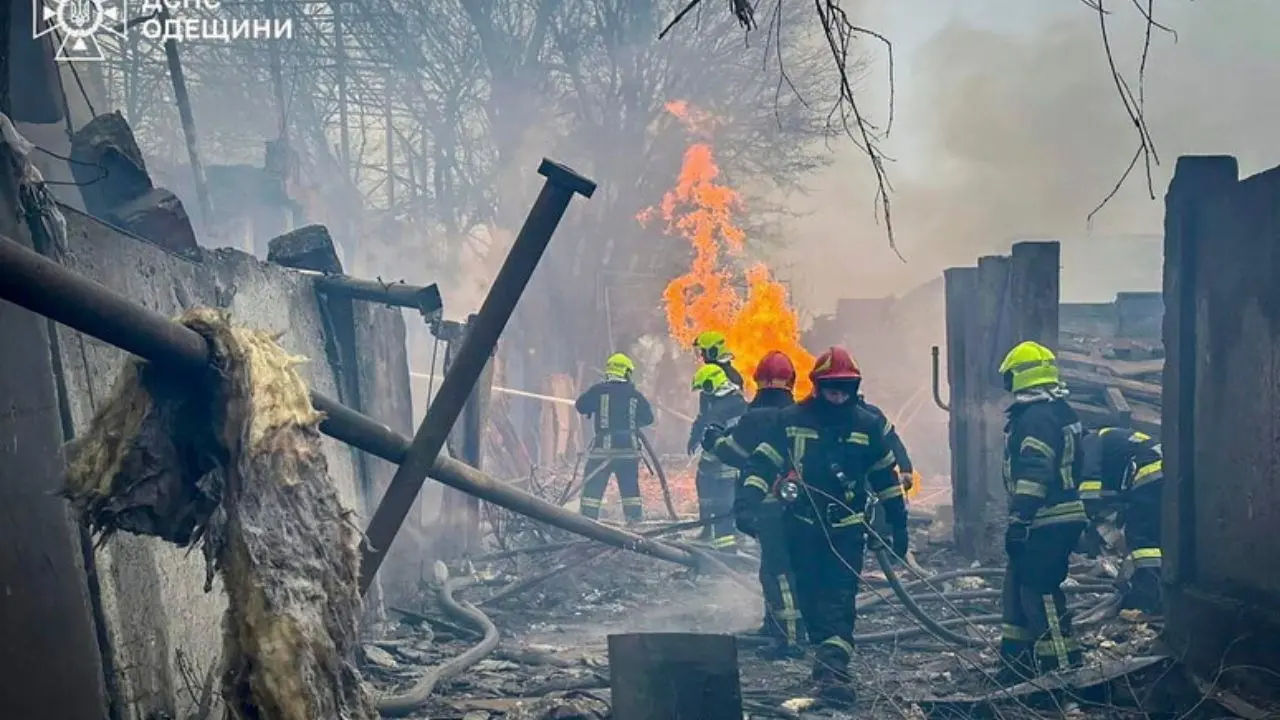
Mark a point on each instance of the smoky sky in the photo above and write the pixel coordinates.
(1019, 135)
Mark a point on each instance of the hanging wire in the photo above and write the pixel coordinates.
(102, 171)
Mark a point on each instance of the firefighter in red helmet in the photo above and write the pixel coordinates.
(823, 458)
(775, 378)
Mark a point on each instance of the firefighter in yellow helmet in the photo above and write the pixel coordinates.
(712, 349)
(1043, 462)
(716, 482)
(617, 411)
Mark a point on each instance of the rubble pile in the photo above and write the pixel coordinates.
(552, 660)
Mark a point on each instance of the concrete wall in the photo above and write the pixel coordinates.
(163, 631)
(1222, 415)
(49, 658)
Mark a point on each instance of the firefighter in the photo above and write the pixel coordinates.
(1046, 516)
(712, 350)
(775, 378)
(723, 404)
(828, 456)
(1124, 471)
(618, 411)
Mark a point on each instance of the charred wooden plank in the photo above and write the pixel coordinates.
(1118, 405)
(1119, 368)
(1150, 392)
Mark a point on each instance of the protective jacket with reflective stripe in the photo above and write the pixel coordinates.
(1043, 461)
(700, 423)
(895, 441)
(1116, 459)
(724, 410)
(617, 409)
(839, 456)
(735, 446)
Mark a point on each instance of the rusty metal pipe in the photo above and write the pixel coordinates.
(343, 423)
(41, 285)
(937, 388)
(477, 345)
(425, 300)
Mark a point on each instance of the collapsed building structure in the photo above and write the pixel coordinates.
(126, 627)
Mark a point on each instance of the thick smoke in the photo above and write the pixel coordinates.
(1017, 135)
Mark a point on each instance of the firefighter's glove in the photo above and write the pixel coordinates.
(901, 541)
(711, 436)
(1015, 537)
(692, 447)
(907, 479)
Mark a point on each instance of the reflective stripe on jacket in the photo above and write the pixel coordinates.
(1042, 462)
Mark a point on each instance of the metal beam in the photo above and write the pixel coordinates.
(477, 346)
(424, 299)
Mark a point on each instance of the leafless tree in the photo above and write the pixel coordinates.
(842, 33)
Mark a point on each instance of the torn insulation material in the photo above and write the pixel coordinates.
(234, 465)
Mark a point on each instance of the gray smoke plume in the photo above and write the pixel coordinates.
(1010, 135)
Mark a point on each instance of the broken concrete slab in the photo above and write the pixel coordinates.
(307, 248)
(107, 164)
(158, 217)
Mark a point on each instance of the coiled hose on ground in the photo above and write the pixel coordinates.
(416, 696)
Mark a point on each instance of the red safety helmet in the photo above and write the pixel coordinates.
(775, 371)
(835, 365)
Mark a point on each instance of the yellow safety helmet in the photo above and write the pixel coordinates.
(619, 366)
(710, 344)
(709, 377)
(1029, 365)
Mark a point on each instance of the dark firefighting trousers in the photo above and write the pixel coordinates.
(1036, 636)
(1141, 520)
(716, 484)
(825, 562)
(596, 473)
(782, 618)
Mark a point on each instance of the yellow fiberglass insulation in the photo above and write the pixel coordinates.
(233, 464)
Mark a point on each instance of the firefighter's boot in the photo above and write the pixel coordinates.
(831, 680)
(1017, 662)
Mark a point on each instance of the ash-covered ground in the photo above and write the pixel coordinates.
(552, 659)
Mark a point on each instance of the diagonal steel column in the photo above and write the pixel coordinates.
(482, 335)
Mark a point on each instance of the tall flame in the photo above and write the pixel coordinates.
(702, 211)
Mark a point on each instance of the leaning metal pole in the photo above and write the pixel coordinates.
(477, 346)
(41, 285)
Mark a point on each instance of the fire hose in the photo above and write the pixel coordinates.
(416, 696)
(941, 629)
(650, 460)
(655, 467)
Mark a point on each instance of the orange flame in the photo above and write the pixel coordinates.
(702, 211)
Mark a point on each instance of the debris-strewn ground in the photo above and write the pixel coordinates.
(552, 661)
